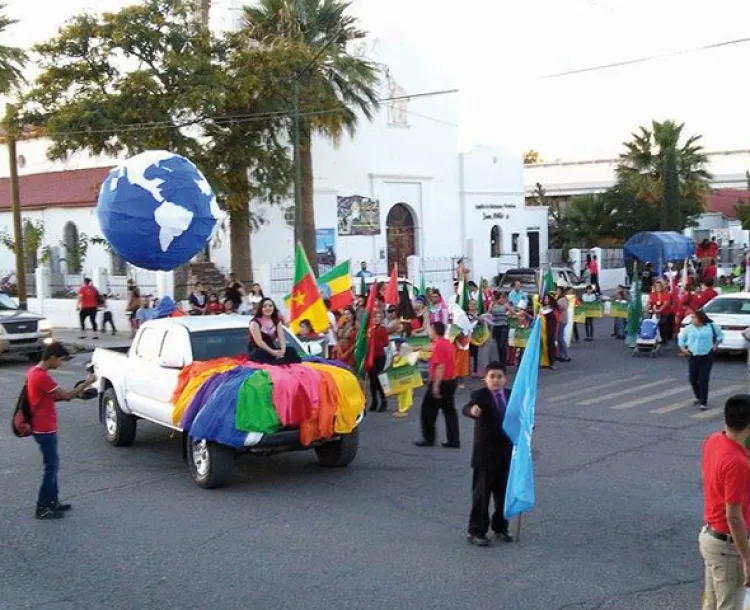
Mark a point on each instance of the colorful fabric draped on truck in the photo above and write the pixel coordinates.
(233, 403)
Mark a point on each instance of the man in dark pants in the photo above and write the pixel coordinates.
(441, 391)
(43, 391)
(490, 458)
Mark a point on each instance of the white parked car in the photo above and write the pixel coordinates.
(731, 312)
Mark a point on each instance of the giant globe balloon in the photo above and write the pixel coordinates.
(157, 211)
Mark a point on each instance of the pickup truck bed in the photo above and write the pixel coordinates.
(138, 382)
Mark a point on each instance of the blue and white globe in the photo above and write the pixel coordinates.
(157, 210)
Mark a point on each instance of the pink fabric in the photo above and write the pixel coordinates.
(295, 393)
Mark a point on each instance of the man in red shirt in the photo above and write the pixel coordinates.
(441, 391)
(710, 271)
(43, 391)
(88, 305)
(707, 293)
(726, 494)
(378, 341)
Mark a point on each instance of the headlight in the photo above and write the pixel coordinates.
(45, 325)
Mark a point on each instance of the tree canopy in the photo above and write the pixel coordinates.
(12, 59)
(152, 76)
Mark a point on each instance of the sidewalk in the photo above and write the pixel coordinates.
(69, 337)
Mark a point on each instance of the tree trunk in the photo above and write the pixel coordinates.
(205, 10)
(308, 200)
(239, 245)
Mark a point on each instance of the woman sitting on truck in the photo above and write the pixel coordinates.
(267, 340)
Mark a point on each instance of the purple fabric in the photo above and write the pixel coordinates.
(201, 397)
(215, 421)
(319, 360)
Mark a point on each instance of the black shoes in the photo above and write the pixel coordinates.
(63, 508)
(423, 444)
(503, 536)
(47, 513)
(478, 540)
(451, 445)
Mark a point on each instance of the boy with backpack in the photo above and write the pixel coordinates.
(42, 391)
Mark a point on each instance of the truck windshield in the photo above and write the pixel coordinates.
(227, 343)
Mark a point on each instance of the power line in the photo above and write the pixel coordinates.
(242, 118)
(641, 60)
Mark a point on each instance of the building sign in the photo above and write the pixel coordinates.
(495, 206)
(325, 246)
(358, 215)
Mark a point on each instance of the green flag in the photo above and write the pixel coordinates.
(548, 286)
(464, 296)
(635, 309)
(480, 298)
(422, 287)
(362, 287)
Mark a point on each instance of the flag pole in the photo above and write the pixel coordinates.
(518, 528)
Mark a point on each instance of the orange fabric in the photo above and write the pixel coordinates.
(462, 363)
(196, 368)
(320, 425)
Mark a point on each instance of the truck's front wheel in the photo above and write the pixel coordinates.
(339, 453)
(119, 427)
(210, 464)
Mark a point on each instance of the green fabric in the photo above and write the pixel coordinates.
(255, 410)
(549, 283)
(480, 298)
(465, 296)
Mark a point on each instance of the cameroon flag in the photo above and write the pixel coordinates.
(306, 303)
(339, 283)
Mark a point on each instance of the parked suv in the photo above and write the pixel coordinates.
(22, 332)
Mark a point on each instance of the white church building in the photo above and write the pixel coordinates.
(399, 188)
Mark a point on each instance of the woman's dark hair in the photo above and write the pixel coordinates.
(260, 290)
(275, 318)
(702, 316)
(307, 323)
(439, 328)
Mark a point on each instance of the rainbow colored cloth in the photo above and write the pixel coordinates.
(234, 401)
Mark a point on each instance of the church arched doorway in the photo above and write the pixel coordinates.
(400, 236)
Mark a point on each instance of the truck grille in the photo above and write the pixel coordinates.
(17, 328)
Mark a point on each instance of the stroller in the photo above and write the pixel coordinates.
(649, 338)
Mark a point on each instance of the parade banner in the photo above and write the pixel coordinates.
(729, 288)
(421, 344)
(579, 316)
(616, 309)
(590, 310)
(400, 379)
(518, 337)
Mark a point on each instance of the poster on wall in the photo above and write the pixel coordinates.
(325, 246)
(358, 215)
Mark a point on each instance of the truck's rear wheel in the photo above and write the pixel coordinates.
(339, 453)
(119, 427)
(210, 464)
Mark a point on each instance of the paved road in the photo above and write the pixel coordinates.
(619, 508)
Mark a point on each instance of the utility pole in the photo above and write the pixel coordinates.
(11, 128)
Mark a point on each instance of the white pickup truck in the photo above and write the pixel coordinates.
(138, 382)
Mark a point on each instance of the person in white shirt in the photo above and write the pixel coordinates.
(589, 296)
(331, 340)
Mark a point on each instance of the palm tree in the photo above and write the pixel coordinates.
(666, 174)
(12, 59)
(334, 86)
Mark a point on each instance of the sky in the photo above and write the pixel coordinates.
(498, 53)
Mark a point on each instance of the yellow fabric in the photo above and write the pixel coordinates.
(544, 360)
(351, 399)
(405, 401)
(182, 403)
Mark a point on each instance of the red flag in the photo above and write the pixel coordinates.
(362, 352)
(391, 291)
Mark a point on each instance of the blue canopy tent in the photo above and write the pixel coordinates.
(658, 248)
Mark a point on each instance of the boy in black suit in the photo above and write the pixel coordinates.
(491, 456)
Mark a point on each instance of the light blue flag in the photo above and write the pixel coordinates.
(519, 424)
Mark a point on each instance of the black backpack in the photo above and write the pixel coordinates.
(21, 422)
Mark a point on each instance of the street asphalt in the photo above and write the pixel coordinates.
(619, 503)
